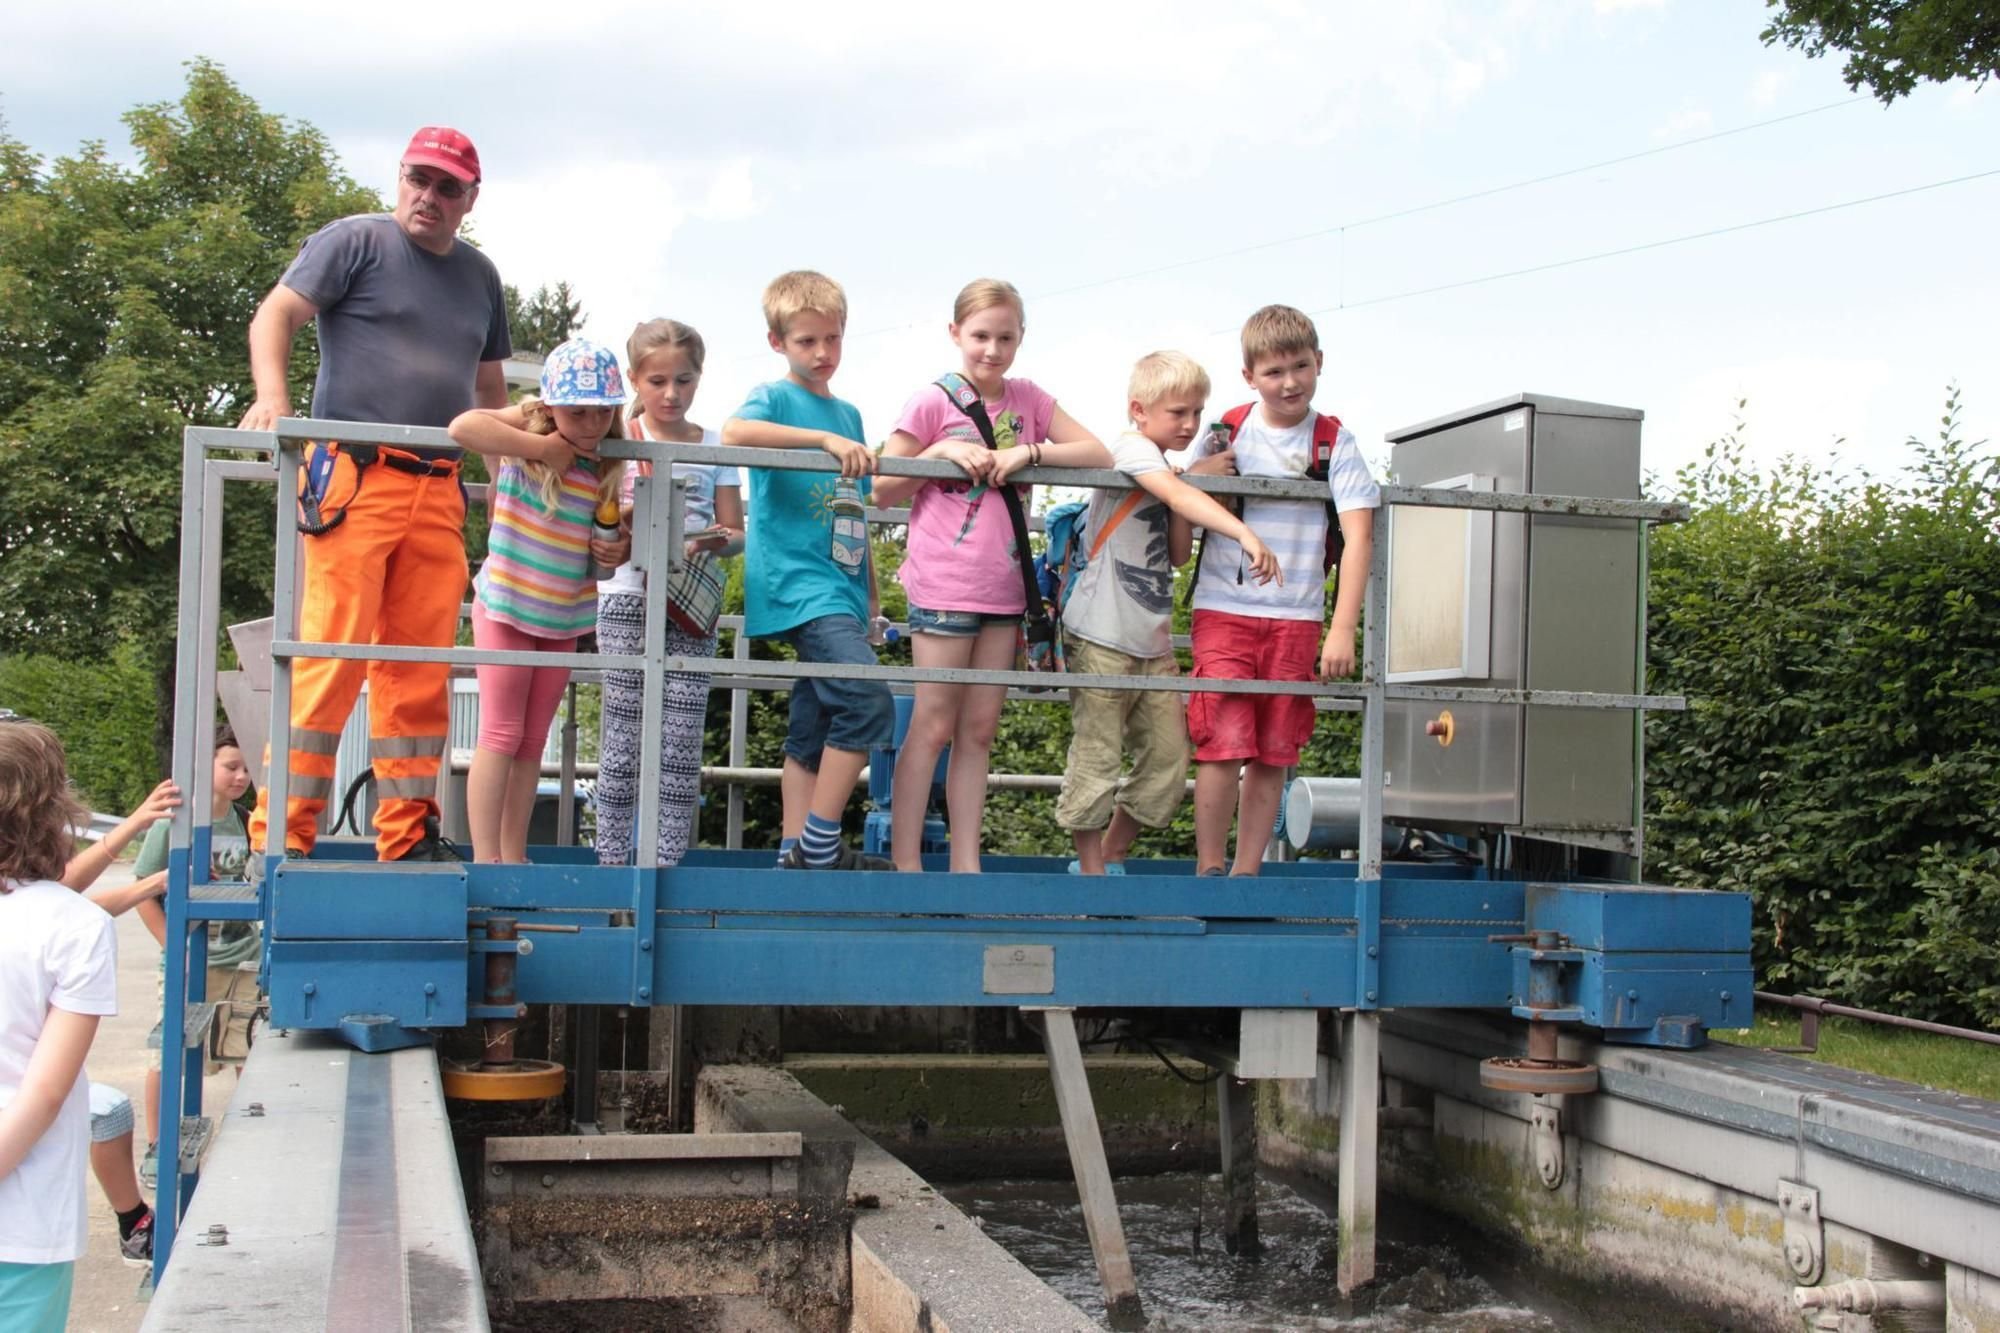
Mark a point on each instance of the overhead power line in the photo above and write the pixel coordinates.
(1468, 197)
(1644, 246)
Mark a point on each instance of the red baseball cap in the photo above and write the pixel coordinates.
(446, 149)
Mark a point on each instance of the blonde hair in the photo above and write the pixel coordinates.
(649, 338)
(1275, 330)
(799, 292)
(983, 294)
(1160, 374)
(540, 419)
(39, 813)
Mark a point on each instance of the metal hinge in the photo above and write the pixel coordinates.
(1546, 1123)
(1805, 1234)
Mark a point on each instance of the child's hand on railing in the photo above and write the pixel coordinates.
(1336, 657)
(1221, 464)
(974, 460)
(856, 459)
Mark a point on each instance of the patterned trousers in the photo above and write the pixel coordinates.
(621, 628)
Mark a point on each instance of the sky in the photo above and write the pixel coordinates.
(1444, 187)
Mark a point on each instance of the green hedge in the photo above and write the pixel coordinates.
(103, 711)
(1838, 643)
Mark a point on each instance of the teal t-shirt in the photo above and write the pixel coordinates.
(229, 942)
(806, 553)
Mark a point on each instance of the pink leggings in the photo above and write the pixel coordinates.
(516, 704)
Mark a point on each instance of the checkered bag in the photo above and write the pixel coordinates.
(694, 594)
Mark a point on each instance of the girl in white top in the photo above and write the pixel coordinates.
(664, 359)
(58, 976)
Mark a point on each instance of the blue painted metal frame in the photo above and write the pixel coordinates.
(1647, 965)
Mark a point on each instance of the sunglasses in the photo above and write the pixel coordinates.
(444, 187)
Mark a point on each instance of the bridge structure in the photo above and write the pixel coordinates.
(388, 954)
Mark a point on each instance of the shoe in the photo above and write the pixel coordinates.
(137, 1248)
(434, 846)
(844, 859)
(1110, 867)
(254, 872)
(149, 1168)
(1213, 872)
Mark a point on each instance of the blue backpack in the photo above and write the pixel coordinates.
(1066, 552)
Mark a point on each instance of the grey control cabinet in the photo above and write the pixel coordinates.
(1548, 602)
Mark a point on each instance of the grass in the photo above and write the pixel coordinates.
(1915, 1057)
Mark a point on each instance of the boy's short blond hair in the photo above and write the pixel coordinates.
(793, 294)
(1161, 374)
(1275, 330)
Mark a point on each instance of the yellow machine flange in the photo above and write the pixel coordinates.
(521, 1081)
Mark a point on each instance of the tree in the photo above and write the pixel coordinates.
(1892, 45)
(124, 296)
(545, 320)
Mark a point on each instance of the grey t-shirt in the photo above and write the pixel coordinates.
(1124, 597)
(402, 331)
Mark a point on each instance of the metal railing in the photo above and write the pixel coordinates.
(659, 513)
(1811, 1008)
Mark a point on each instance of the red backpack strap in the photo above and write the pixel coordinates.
(1235, 417)
(1326, 430)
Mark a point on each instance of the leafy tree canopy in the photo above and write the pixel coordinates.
(544, 320)
(1892, 45)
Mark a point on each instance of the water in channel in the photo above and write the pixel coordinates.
(1424, 1283)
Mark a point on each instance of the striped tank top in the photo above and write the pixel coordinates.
(537, 571)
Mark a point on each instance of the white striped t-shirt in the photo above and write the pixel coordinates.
(1295, 530)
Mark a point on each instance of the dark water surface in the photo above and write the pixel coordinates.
(1424, 1282)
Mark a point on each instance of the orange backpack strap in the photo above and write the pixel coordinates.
(1118, 515)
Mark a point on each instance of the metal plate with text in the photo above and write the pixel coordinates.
(1020, 969)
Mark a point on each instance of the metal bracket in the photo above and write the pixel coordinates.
(1546, 1128)
(1805, 1234)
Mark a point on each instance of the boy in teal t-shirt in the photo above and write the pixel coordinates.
(807, 577)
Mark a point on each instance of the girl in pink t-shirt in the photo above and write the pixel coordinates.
(961, 570)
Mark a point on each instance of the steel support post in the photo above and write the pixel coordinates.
(1361, 1030)
(1086, 1159)
(1236, 1109)
(1360, 1096)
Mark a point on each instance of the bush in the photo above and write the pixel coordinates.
(104, 714)
(1838, 641)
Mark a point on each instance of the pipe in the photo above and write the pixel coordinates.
(1863, 1295)
(1810, 1004)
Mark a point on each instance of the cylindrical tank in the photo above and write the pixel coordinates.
(1324, 815)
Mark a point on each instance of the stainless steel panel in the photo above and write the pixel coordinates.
(1583, 599)
(1477, 778)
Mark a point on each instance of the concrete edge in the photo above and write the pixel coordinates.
(919, 1263)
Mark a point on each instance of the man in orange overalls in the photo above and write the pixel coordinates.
(412, 331)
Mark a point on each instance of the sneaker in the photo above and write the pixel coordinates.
(137, 1248)
(434, 846)
(845, 859)
(149, 1169)
(254, 872)
(1110, 867)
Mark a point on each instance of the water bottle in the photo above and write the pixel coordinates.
(605, 529)
(881, 632)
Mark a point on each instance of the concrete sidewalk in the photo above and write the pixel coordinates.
(106, 1295)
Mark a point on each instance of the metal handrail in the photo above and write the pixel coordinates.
(1812, 1008)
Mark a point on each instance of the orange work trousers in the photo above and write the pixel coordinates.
(392, 571)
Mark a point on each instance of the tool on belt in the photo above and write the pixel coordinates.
(313, 520)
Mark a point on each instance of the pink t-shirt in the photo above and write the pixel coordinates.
(961, 547)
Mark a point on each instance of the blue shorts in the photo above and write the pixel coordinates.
(957, 624)
(34, 1298)
(852, 715)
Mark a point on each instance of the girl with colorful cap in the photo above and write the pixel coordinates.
(537, 590)
(664, 359)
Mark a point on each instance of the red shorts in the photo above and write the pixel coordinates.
(1269, 728)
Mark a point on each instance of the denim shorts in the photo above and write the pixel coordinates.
(853, 715)
(957, 624)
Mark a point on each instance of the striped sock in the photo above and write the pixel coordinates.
(785, 845)
(819, 844)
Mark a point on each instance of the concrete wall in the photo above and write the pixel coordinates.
(919, 1264)
(1684, 1204)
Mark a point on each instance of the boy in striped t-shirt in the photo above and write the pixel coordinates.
(1246, 630)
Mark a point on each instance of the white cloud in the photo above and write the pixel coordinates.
(1618, 6)
(1684, 123)
(1766, 87)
